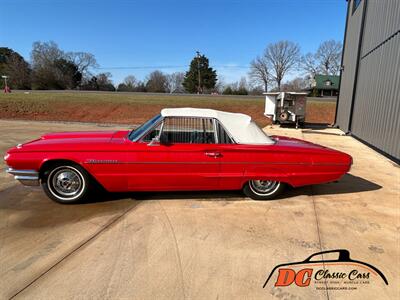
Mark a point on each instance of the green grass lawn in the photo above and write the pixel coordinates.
(116, 97)
(123, 107)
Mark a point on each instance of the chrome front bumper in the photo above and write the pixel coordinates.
(26, 177)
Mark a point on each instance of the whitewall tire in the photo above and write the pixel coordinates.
(263, 189)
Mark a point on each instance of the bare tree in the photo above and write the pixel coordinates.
(282, 57)
(130, 81)
(329, 55)
(237, 88)
(174, 82)
(242, 84)
(259, 73)
(99, 82)
(156, 82)
(220, 85)
(44, 54)
(50, 68)
(297, 84)
(255, 90)
(325, 61)
(104, 78)
(84, 61)
(131, 84)
(309, 64)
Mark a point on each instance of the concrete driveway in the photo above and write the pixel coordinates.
(197, 245)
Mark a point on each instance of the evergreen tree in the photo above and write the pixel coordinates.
(208, 76)
(227, 91)
(13, 65)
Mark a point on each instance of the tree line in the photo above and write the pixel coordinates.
(49, 68)
(52, 68)
(284, 57)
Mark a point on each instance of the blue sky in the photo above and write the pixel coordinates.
(155, 33)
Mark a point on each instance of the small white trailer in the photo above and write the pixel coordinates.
(286, 107)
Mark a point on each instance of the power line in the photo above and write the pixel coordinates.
(140, 67)
(168, 67)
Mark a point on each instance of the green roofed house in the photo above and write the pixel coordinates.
(324, 85)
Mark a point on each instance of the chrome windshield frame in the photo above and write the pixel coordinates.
(158, 118)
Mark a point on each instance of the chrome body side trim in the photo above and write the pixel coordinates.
(217, 162)
(26, 177)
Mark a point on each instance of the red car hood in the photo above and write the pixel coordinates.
(79, 135)
(72, 141)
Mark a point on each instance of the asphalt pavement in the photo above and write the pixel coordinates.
(208, 245)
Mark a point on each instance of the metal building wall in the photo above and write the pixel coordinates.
(376, 112)
(350, 64)
(372, 65)
(382, 20)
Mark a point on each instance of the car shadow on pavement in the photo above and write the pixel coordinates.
(346, 185)
(36, 206)
(177, 195)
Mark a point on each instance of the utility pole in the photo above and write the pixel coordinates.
(198, 71)
(6, 90)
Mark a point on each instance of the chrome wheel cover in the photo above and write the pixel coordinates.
(66, 183)
(264, 187)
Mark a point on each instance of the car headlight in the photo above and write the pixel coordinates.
(6, 156)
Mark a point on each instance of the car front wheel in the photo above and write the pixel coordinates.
(66, 183)
(263, 189)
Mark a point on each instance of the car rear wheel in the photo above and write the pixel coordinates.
(66, 183)
(263, 189)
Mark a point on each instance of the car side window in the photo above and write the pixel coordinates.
(188, 130)
(223, 136)
(152, 134)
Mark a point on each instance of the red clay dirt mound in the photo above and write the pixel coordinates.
(136, 113)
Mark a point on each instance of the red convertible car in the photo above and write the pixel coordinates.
(178, 149)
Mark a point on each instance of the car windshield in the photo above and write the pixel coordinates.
(137, 133)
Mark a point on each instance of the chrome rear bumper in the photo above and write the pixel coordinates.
(26, 177)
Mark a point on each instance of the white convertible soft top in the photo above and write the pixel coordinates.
(240, 126)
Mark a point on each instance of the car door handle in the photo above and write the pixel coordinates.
(213, 154)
